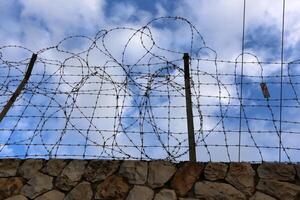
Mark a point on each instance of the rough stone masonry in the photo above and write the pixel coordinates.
(140, 180)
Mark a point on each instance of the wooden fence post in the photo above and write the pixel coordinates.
(19, 89)
(189, 109)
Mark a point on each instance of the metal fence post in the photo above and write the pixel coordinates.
(189, 109)
(19, 89)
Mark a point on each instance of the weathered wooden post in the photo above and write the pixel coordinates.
(19, 89)
(189, 109)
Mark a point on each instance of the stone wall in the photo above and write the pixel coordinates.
(139, 180)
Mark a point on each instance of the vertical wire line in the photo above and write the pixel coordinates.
(241, 87)
(281, 78)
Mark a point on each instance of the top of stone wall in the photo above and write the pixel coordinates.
(111, 179)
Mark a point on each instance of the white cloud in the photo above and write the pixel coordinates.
(60, 16)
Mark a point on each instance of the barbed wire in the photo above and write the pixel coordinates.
(88, 98)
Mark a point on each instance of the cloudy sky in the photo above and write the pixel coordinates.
(39, 24)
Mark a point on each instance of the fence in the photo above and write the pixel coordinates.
(84, 100)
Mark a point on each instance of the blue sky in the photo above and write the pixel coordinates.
(36, 24)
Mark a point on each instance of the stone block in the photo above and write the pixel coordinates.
(185, 177)
(140, 192)
(10, 187)
(276, 171)
(114, 187)
(37, 185)
(30, 167)
(70, 175)
(83, 191)
(278, 189)
(261, 196)
(52, 195)
(8, 167)
(134, 171)
(159, 173)
(215, 171)
(241, 176)
(54, 167)
(213, 190)
(165, 194)
(99, 170)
